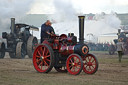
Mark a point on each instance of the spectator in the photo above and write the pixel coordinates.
(120, 48)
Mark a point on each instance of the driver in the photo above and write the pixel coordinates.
(46, 30)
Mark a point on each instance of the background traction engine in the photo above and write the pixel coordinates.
(65, 54)
(124, 37)
(19, 42)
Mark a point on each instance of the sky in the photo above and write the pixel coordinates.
(80, 6)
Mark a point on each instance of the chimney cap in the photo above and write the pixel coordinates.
(81, 16)
(13, 18)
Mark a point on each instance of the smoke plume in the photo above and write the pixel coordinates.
(64, 11)
(67, 20)
(12, 8)
(101, 24)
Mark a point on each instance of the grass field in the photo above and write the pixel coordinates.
(22, 72)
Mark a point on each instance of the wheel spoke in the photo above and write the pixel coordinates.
(44, 51)
(93, 60)
(47, 56)
(74, 59)
(90, 68)
(48, 60)
(86, 60)
(70, 66)
(40, 63)
(93, 66)
(71, 61)
(86, 66)
(41, 49)
(90, 59)
(38, 60)
(73, 68)
(78, 66)
(37, 56)
(45, 63)
(39, 53)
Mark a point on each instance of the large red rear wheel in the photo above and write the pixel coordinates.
(74, 64)
(43, 58)
(90, 64)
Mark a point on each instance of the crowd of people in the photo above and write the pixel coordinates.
(98, 46)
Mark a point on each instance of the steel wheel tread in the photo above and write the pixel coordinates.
(32, 41)
(20, 50)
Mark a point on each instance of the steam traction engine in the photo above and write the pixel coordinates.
(19, 42)
(65, 54)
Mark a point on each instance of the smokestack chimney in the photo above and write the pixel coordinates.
(119, 30)
(81, 29)
(12, 25)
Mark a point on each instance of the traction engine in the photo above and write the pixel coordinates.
(19, 42)
(65, 54)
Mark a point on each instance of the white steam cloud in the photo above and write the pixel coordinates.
(67, 21)
(12, 8)
(64, 10)
(101, 25)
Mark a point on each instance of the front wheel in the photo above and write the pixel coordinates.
(74, 64)
(90, 64)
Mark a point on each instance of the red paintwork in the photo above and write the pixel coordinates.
(66, 50)
(69, 39)
(61, 45)
(63, 36)
(46, 42)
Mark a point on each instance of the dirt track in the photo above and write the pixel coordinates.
(22, 72)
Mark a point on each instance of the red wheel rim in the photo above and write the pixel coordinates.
(62, 69)
(90, 64)
(41, 58)
(74, 64)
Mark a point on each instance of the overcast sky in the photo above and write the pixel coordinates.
(81, 6)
